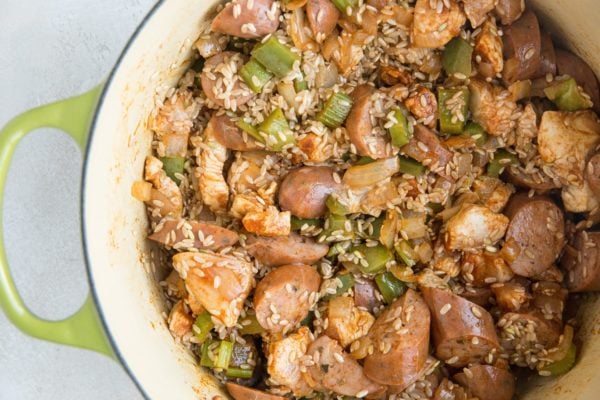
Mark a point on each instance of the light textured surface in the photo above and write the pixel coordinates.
(51, 50)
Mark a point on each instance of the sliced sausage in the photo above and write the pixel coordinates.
(522, 48)
(549, 298)
(520, 331)
(400, 339)
(582, 261)
(448, 390)
(281, 250)
(366, 295)
(247, 19)
(538, 181)
(181, 234)
(480, 296)
(547, 57)
(360, 127)
(335, 370)
(463, 332)
(322, 17)
(229, 135)
(477, 10)
(285, 295)
(537, 229)
(592, 174)
(213, 80)
(427, 148)
(239, 392)
(487, 382)
(568, 63)
(304, 191)
(509, 10)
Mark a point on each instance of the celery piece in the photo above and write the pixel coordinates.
(343, 5)
(567, 95)
(278, 131)
(250, 130)
(502, 158)
(250, 326)
(239, 373)
(224, 354)
(255, 75)
(335, 206)
(275, 56)
(389, 286)
(410, 166)
(300, 85)
(337, 228)
(205, 359)
(371, 259)
(202, 326)
(172, 166)
(298, 223)
(335, 110)
(563, 366)
(476, 132)
(456, 58)
(399, 132)
(453, 105)
(338, 248)
(406, 253)
(363, 160)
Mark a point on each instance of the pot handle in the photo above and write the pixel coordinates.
(82, 329)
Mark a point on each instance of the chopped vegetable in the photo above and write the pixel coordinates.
(564, 365)
(399, 132)
(239, 373)
(410, 166)
(298, 223)
(344, 5)
(346, 282)
(453, 105)
(300, 85)
(250, 326)
(202, 326)
(172, 166)
(308, 320)
(359, 176)
(364, 160)
(278, 131)
(224, 355)
(567, 95)
(275, 56)
(477, 132)
(255, 75)
(335, 110)
(406, 253)
(502, 158)
(389, 286)
(250, 130)
(337, 228)
(335, 207)
(339, 248)
(369, 260)
(456, 58)
(377, 224)
(207, 348)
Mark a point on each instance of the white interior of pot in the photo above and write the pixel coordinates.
(123, 265)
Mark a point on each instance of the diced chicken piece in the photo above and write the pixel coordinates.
(175, 285)
(511, 296)
(250, 172)
(284, 359)
(474, 227)
(248, 19)
(477, 10)
(221, 82)
(423, 105)
(211, 44)
(487, 268)
(392, 76)
(492, 107)
(189, 234)
(220, 283)
(180, 322)
(347, 323)
(488, 46)
(317, 149)
(270, 222)
(211, 182)
(176, 116)
(165, 197)
(526, 131)
(492, 192)
(579, 199)
(245, 203)
(565, 141)
(432, 29)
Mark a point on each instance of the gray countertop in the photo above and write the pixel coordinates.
(51, 50)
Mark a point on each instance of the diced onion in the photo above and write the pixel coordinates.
(360, 176)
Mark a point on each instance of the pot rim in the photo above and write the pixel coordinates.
(87, 259)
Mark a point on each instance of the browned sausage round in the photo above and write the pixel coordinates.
(223, 128)
(400, 339)
(592, 174)
(522, 48)
(304, 191)
(540, 182)
(570, 64)
(487, 382)
(285, 295)
(546, 332)
(336, 371)
(537, 230)
(463, 332)
(509, 10)
(255, 22)
(360, 127)
(239, 94)
(281, 250)
(239, 392)
(365, 295)
(548, 57)
(426, 147)
(187, 235)
(479, 296)
(448, 390)
(322, 17)
(582, 261)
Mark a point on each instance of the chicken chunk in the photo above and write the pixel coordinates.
(476, 10)
(565, 141)
(317, 149)
(268, 222)
(492, 192)
(492, 107)
(432, 29)
(347, 323)
(176, 116)
(488, 46)
(511, 296)
(526, 130)
(211, 181)
(474, 227)
(165, 197)
(245, 203)
(423, 105)
(180, 322)
(579, 199)
(220, 283)
(284, 361)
